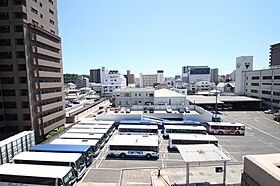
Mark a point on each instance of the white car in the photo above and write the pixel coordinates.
(187, 110)
(168, 110)
(268, 111)
(122, 110)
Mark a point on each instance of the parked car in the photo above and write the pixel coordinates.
(187, 109)
(151, 110)
(76, 101)
(180, 110)
(122, 110)
(128, 110)
(117, 109)
(68, 105)
(268, 111)
(168, 110)
(145, 110)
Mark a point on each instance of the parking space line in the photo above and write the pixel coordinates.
(137, 183)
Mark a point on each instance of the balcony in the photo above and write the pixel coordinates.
(53, 116)
(47, 74)
(49, 96)
(50, 106)
(45, 52)
(46, 63)
(5, 35)
(46, 41)
(48, 85)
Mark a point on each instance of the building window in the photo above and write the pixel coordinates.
(41, 16)
(5, 55)
(254, 84)
(35, 1)
(10, 105)
(35, 22)
(3, 3)
(26, 117)
(41, 4)
(20, 15)
(267, 77)
(53, 32)
(276, 93)
(4, 29)
(4, 16)
(4, 68)
(19, 42)
(51, 11)
(51, 2)
(20, 55)
(255, 77)
(34, 10)
(51, 22)
(276, 77)
(11, 117)
(21, 67)
(8, 92)
(266, 83)
(254, 91)
(22, 79)
(23, 92)
(266, 92)
(18, 28)
(7, 80)
(5, 42)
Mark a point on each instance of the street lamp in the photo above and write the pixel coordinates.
(216, 92)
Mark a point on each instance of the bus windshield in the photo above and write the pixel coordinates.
(89, 153)
(81, 163)
(69, 179)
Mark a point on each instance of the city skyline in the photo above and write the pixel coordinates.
(165, 35)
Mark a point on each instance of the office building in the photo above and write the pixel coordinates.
(214, 75)
(192, 74)
(151, 80)
(243, 64)
(274, 55)
(111, 80)
(130, 78)
(82, 82)
(31, 68)
(95, 76)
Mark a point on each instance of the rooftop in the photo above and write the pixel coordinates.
(137, 140)
(134, 90)
(221, 99)
(167, 93)
(202, 153)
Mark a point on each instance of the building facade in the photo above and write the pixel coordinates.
(274, 55)
(130, 78)
(243, 64)
(214, 75)
(112, 80)
(31, 68)
(95, 76)
(82, 82)
(192, 74)
(151, 80)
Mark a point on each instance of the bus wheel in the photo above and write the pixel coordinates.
(220, 132)
(148, 156)
(122, 155)
(237, 133)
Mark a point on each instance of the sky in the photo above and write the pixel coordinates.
(147, 35)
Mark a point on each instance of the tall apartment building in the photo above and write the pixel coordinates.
(192, 74)
(151, 80)
(214, 75)
(95, 75)
(82, 82)
(274, 55)
(31, 77)
(130, 78)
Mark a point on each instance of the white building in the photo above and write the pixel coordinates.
(110, 81)
(168, 97)
(201, 86)
(151, 80)
(192, 74)
(82, 82)
(243, 64)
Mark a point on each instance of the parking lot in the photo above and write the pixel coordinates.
(262, 136)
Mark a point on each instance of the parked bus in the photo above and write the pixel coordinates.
(33, 175)
(89, 131)
(184, 122)
(226, 128)
(137, 122)
(93, 143)
(84, 149)
(78, 126)
(190, 139)
(102, 138)
(138, 129)
(134, 146)
(171, 129)
(95, 122)
(74, 160)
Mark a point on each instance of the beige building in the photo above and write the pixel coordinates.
(151, 80)
(261, 170)
(31, 74)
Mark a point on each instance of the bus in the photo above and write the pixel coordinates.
(89, 131)
(74, 160)
(138, 129)
(137, 122)
(84, 149)
(184, 122)
(134, 146)
(36, 175)
(102, 138)
(93, 143)
(225, 128)
(190, 139)
(78, 126)
(170, 129)
(95, 122)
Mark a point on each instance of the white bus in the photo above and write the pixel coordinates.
(78, 126)
(177, 129)
(93, 143)
(189, 139)
(35, 175)
(74, 160)
(134, 146)
(226, 128)
(95, 122)
(100, 137)
(89, 131)
(138, 129)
